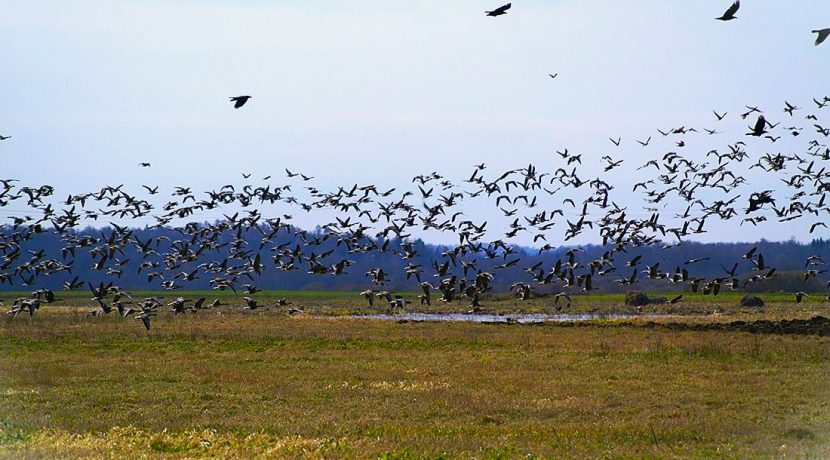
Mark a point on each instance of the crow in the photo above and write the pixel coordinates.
(239, 101)
(730, 13)
(499, 11)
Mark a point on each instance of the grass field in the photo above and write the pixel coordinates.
(232, 383)
(778, 305)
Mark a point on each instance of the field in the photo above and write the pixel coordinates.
(233, 383)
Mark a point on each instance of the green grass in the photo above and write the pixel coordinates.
(229, 383)
(778, 305)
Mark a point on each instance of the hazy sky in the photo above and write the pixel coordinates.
(378, 91)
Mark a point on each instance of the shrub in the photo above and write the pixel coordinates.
(636, 298)
(751, 301)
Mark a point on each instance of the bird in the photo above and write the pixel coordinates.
(499, 11)
(144, 165)
(730, 13)
(145, 318)
(370, 296)
(3, 138)
(553, 75)
(239, 101)
(822, 35)
(760, 127)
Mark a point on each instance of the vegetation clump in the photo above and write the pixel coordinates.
(751, 301)
(636, 298)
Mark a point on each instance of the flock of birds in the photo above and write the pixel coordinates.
(366, 219)
(728, 15)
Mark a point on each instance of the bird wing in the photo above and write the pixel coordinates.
(822, 35)
(732, 9)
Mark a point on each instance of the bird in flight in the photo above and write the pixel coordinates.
(730, 13)
(553, 75)
(499, 11)
(144, 165)
(239, 101)
(3, 138)
(760, 127)
(822, 35)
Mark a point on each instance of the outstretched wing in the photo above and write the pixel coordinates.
(732, 9)
(500, 10)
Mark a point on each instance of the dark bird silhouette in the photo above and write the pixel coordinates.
(3, 138)
(822, 35)
(760, 127)
(239, 101)
(499, 11)
(730, 13)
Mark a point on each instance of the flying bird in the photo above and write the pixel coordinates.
(760, 127)
(239, 101)
(822, 35)
(3, 138)
(730, 13)
(499, 11)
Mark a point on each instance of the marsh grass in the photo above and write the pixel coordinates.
(345, 303)
(239, 384)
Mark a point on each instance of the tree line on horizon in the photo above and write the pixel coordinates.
(717, 259)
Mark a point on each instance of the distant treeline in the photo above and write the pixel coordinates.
(788, 258)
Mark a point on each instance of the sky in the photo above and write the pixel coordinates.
(378, 91)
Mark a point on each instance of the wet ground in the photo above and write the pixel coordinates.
(520, 318)
(817, 325)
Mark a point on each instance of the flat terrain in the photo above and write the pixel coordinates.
(233, 383)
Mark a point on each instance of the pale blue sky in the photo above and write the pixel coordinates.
(378, 91)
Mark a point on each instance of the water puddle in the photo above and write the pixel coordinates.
(520, 318)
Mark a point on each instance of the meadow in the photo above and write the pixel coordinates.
(232, 383)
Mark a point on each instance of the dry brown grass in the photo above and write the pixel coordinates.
(262, 384)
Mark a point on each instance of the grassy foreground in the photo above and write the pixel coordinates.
(229, 383)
